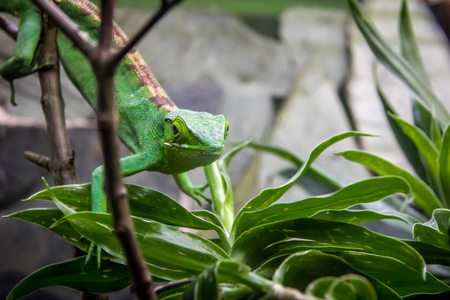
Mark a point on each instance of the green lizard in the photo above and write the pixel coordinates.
(162, 137)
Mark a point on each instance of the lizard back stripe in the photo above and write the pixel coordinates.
(137, 64)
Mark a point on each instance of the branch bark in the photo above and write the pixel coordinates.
(9, 27)
(441, 12)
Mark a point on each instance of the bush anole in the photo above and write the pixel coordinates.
(162, 137)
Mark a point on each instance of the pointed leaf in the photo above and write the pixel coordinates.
(423, 195)
(77, 275)
(366, 191)
(204, 287)
(270, 195)
(169, 253)
(358, 216)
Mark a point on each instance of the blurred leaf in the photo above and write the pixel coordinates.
(245, 7)
(423, 195)
(395, 63)
(144, 202)
(260, 243)
(405, 143)
(270, 195)
(75, 274)
(170, 253)
(408, 44)
(301, 269)
(366, 191)
(358, 216)
(436, 231)
(204, 287)
(424, 145)
(423, 118)
(444, 166)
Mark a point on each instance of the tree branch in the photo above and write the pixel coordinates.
(164, 7)
(9, 27)
(79, 38)
(441, 12)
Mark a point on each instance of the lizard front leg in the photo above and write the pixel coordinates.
(130, 165)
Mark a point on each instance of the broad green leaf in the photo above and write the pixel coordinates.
(46, 217)
(204, 287)
(393, 273)
(444, 166)
(75, 274)
(170, 253)
(319, 287)
(313, 175)
(436, 231)
(301, 269)
(358, 216)
(405, 143)
(423, 195)
(424, 145)
(432, 255)
(270, 195)
(260, 243)
(366, 191)
(395, 63)
(144, 202)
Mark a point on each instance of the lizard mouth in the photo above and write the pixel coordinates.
(211, 149)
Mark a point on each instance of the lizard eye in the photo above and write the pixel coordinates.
(175, 130)
(227, 128)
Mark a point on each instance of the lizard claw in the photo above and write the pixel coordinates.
(89, 254)
(196, 193)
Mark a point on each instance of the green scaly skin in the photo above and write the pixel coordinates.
(162, 137)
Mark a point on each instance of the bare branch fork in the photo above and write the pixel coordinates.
(104, 60)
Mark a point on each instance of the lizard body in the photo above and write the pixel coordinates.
(162, 137)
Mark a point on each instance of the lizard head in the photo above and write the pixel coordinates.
(193, 139)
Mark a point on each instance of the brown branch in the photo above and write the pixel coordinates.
(165, 6)
(79, 38)
(42, 161)
(9, 27)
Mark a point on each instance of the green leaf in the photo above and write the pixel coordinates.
(301, 269)
(395, 63)
(263, 242)
(75, 274)
(435, 231)
(393, 273)
(320, 179)
(170, 253)
(444, 166)
(432, 255)
(423, 195)
(46, 217)
(144, 202)
(270, 195)
(204, 287)
(366, 191)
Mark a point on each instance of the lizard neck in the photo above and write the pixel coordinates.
(133, 59)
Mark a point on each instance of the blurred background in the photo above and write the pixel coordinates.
(288, 73)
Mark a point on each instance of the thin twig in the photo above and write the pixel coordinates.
(79, 38)
(165, 6)
(42, 161)
(9, 27)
